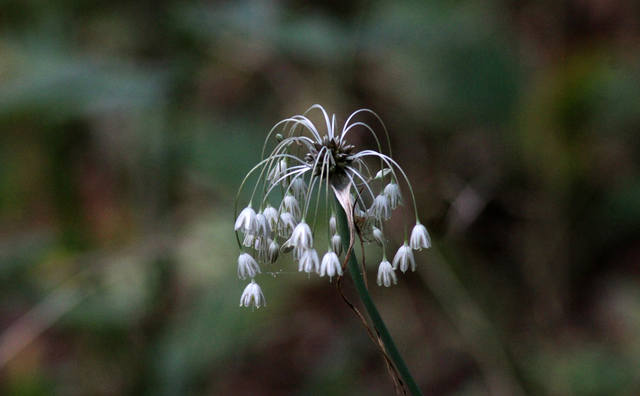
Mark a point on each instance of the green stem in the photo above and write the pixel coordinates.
(374, 315)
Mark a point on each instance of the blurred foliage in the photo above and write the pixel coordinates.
(127, 127)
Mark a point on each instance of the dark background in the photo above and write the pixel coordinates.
(126, 128)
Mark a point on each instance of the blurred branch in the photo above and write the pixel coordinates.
(67, 296)
(41, 317)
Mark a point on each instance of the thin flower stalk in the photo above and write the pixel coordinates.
(303, 163)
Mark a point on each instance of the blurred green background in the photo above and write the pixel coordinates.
(125, 130)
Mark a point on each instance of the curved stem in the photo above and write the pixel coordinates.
(374, 315)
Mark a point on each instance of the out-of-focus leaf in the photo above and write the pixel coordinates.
(60, 87)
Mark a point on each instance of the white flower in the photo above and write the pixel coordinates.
(279, 170)
(336, 244)
(262, 226)
(287, 225)
(299, 188)
(404, 257)
(333, 224)
(419, 237)
(260, 244)
(378, 236)
(274, 251)
(249, 240)
(386, 274)
(382, 173)
(252, 295)
(309, 261)
(247, 266)
(330, 265)
(297, 252)
(380, 207)
(392, 192)
(302, 163)
(246, 220)
(290, 204)
(301, 236)
(271, 214)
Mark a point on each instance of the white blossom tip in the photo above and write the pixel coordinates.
(252, 296)
(392, 192)
(246, 220)
(419, 237)
(380, 208)
(404, 258)
(290, 204)
(378, 236)
(382, 173)
(386, 274)
(333, 225)
(336, 244)
(274, 251)
(309, 261)
(302, 238)
(247, 266)
(330, 265)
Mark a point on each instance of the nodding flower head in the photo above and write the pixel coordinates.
(378, 236)
(263, 229)
(290, 204)
(392, 192)
(404, 258)
(247, 266)
(330, 265)
(333, 227)
(304, 164)
(274, 251)
(271, 214)
(246, 221)
(420, 237)
(252, 296)
(302, 237)
(386, 274)
(381, 209)
(336, 244)
(309, 261)
(287, 224)
(299, 188)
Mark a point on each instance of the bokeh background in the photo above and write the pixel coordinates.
(126, 128)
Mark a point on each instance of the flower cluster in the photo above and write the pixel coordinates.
(303, 168)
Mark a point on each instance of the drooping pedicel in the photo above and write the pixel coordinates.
(296, 180)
